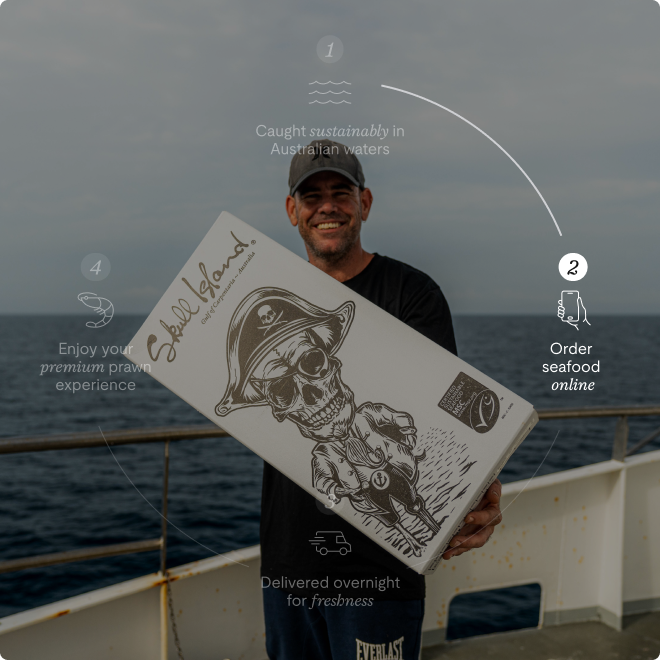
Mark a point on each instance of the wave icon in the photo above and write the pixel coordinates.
(329, 82)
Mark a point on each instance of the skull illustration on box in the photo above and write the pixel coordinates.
(281, 352)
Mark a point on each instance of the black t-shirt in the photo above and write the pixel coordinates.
(290, 517)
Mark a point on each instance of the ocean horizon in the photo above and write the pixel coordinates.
(69, 499)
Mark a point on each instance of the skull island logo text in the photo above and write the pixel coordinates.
(281, 352)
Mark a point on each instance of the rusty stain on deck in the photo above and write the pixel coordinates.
(57, 614)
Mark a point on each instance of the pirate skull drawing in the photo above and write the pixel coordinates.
(281, 352)
(266, 315)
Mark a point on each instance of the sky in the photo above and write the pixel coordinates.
(128, 126)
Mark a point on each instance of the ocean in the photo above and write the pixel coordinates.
(64, 500)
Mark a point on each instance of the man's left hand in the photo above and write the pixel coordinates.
(479, 524)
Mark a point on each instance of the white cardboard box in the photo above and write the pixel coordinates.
(398, 435)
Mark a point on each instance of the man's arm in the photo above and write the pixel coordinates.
(428, 313)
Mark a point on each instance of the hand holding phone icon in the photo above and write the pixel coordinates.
(571, 309)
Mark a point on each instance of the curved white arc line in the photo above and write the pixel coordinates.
(501, 148)
(169, 522)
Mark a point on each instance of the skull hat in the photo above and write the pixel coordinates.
(264, 319)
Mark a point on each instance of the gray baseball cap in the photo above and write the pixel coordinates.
(324, 156)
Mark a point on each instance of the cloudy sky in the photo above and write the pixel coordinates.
(128, 126)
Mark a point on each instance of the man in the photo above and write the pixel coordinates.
(328, 203)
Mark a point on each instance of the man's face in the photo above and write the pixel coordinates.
(328, 211)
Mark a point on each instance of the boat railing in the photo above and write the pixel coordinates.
(24, 444)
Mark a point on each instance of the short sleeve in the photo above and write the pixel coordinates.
(426, 310)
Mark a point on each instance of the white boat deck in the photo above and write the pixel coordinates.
(639, 640)
(589, 537)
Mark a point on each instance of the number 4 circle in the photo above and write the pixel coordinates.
(95, 267)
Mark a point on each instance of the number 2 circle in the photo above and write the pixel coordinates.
(573, 266)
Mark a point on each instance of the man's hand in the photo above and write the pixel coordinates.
(479, 524)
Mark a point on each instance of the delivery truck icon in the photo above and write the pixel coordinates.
(326, 542)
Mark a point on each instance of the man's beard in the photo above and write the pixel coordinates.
(337, 252)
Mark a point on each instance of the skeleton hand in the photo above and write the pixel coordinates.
(345, 492)
(480, 523)
(381, 419)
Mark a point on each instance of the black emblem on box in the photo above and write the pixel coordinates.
(471, 402)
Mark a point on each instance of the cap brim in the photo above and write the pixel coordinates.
(324, 169)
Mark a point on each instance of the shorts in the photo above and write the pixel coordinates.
(313, 628)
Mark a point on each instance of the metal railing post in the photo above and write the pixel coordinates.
(620, 439)
(163, 556)
(163, 533)
(642, 443)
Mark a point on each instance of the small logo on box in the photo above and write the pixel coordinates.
(380, 480)
(472, 403)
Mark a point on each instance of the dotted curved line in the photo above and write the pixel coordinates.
(511, 502)
(169, 522)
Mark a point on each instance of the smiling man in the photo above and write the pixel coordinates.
(328, 203)
(362, 603)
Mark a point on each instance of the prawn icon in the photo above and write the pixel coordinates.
(100, 305)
